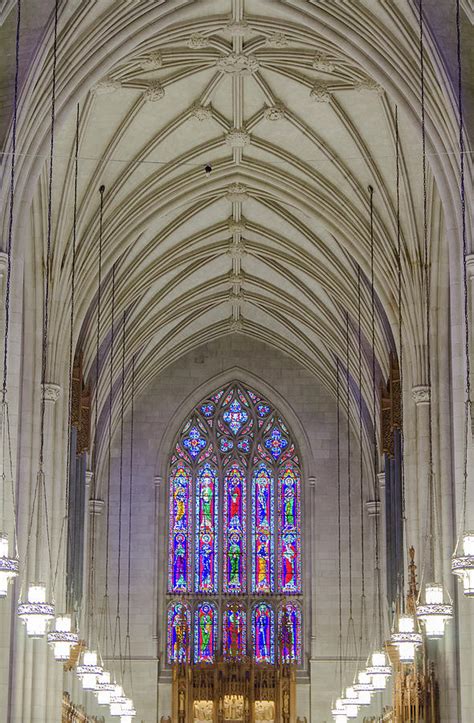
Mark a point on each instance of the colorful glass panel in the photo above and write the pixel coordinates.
(276, 443)
(289, 530)
(179, 626)
(234, 530)
(205, 629)
(207, 409)
(234, 632)
(206, 529)
(263, 410)
(225, 444)
(180, 530)
(263, 530)
(235, 416)
(289, 634)
(194, 442)
(263, 633)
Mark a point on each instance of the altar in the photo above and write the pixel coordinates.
(234, 692)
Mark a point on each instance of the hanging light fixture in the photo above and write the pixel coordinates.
(62, 639)
(350, 702)
(379, 670)
(339, 712)
(462, 565)
(8, 566)
(435, 613)
(364, 688)
(407, 639)
(104, 688)
(117, 700)
(36, 613)
(128, 711)
(89, 671)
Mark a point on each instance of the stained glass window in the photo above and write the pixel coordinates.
(235, 530)
(263, 530)
(234, 632)
(289, 628)
(289, 530)
(263, 633)
(206, 529)
(180, 527)
(205, 629)
(179, 626)
(235, 493)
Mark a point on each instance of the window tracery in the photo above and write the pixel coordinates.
(234, 534)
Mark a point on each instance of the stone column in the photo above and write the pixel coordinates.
(383, 534)
(417, 489)
(311, 610)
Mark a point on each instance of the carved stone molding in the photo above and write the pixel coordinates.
(237, 251)
(158, 480)
(237, 29)
(197, 41)
(3, 263)
(274, 112)
(323, 62)
(153, 61)
(368, 84)
(201, 112)
(373, 507)
(277, 40)
(236, 324)
(236, 297)
(238, 64)
(154, 92)
(312, 482)
(96, 506)
(236, 226)
(381, 480)
(470, 266)
(237, 279)
(421, 394)
(106, 86)
(319, 93)
(51, 391)
(237, 138)
(89, 477)
(237, 193)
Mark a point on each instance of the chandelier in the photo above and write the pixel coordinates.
(36, 613)
(8, 566)
(407, 639)
(89, 671)
(104, 688)
(434, 613)
(62, 639)
(363, 688)
(339, 712)
(128, 711)
(117, 701)
(463, 565)
(379, 671)
(350, 703)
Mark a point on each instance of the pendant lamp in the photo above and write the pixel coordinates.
(364, 688)
(407, 639)
(434, 613)
(89, 671)
(339, 712)
(36, 613)
(379, 670)
(104, 688)
(463, 565)
(62, 639)
(8, 566)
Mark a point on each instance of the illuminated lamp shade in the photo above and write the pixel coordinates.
(406, 639)
(89, 671)
(379, 671)
(117, 700)
(104, 688)
(62, 639)
(351, 703)
(434, 613)
(339, 712)
(8, 566)
(36, 613)
(463, 565)
(364, 688)
(128, 711)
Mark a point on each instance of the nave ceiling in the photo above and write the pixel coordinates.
(295, 126)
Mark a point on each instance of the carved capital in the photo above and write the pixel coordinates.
(277, 40)
(152, 61)
(322, 62)
(236, 226)
(89, 477)
(238, 64)
(106, 86)
(154, 92)
(320, 93)
(373, 507)
(237, 29)
(312, 482)
(368, 84)
(3, 263)
(274, 112)
(51, 392)
(201, 112)
(236, 324)
(237, 193)
(197, 41)
(237, 138)
(421, 394)
(381, 480)
(158, 481)
(470, 266)
(96, 506)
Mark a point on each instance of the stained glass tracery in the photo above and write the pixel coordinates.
(234, 482)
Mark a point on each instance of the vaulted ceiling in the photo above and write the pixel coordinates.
(296, 122)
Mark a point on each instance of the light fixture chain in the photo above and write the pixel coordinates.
(349, 476)
(12, 201)
(361, 459)
(128, 653)
(467, 411)
(339, 545)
